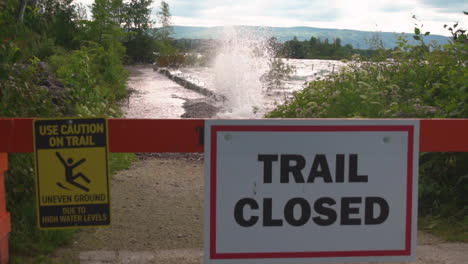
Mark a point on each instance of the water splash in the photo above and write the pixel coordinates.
(242, 60)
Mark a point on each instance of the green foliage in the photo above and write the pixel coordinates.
(121, 161)
(9, 54)
(53, 64)
(167, 55)
(448, 229)
(417, 81)
(96, 74)
(444, 181)
(279, 71)
(144, 45)
(140, 48)
(137, 15)
(164, 16)
(125, 24)
(106, 19)
(59, 19)
(25, 237)
(21, 97)
(197, 52)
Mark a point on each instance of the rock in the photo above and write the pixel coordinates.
(199, 110)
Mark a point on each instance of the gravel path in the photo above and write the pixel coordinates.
(154, 96)
(157, 209)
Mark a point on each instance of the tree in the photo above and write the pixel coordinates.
(274, 46)
(105, 18)
(313, 41)
(61, 20)
(139, 43)
(338, 43)
(138, 15)
(164, 17)
(294, 49)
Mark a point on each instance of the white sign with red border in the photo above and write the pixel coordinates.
(310, 191)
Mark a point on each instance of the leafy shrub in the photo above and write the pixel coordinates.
(22, 96)
(96, 78)
(140, 49)
(85, 91)
(85, 77)
(167, 55)
(22, 206)
(421, 81)
(278, 72)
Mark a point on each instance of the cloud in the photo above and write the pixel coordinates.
(447, 6)
(380, 15)
(397, 7)
(298, 9)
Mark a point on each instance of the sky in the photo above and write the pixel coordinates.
(368, 15)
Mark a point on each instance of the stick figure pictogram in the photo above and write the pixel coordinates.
(70, 165)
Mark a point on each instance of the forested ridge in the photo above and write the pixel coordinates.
(358, 39)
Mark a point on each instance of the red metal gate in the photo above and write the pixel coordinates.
(182, 135)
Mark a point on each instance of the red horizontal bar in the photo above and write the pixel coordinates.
(443, 135)
(156, 135)
(125, 135)
(184, 135)
(16, 135)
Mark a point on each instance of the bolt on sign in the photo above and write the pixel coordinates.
(72, 183)
(310, 191)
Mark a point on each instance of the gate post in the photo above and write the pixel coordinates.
(5, 225)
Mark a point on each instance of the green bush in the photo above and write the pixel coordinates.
(96, 77)
(421, 81)
(21, 97)
(25, 237)
(140, 48)
(54, 64)
(86, 93)
(167, 55)
(434, 86)
(84, 82)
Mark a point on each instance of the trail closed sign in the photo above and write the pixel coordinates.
(310, 191)
(72, 172)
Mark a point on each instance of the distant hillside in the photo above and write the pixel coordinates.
(359, 39)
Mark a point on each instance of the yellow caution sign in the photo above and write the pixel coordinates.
(72, 180)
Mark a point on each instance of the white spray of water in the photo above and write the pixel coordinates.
(241, 62)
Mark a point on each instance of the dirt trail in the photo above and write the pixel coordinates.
(157, 209)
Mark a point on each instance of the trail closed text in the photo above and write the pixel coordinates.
(322, 211)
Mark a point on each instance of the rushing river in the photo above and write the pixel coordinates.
(155, 96)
